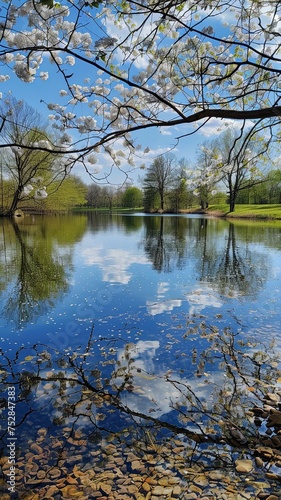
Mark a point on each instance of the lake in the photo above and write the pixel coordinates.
(140, 357)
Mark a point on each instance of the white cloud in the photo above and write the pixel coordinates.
(201, 298)
(115, 263)
(162, 288)
(155, 308)
(154, 392)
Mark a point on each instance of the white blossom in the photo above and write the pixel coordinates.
(27, 190)
(105, 42)
(86, 124)
(44, 75)
(43, 143)
(24, 73)
(17, 150)
(70, 60)
(40, 194)
(9, 57)
(166, 79)
(92, 159)
(55, 59)
(86, 40)
(65, 139)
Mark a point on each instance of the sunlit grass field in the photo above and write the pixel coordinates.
(253, 211)
(222, 209)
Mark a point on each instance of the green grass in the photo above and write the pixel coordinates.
(220, 210)
(249, 211)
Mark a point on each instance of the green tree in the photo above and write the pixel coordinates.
(132, 197)
(69, 193)
(206, 174)
(237, 161)
(27, 166)
(269, 191)
(179, 195)
(273, 186)
(63, 195)
(158, 180)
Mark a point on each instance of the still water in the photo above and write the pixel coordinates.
(132, 336)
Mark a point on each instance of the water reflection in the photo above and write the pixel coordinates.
(165, 242)
(127, 416)
(164, 386)
(233, 268)
(36, 262)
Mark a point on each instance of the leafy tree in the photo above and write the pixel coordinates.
(237, 159)
(267, 192)
(179, 195)
(23, 161)
(168, 64)
(93, 191)
(132, 197)
(66, 195)
(273, 186)
(99, 196)
(62, 196)
(206, 174)
(158, 180)
(96, 195)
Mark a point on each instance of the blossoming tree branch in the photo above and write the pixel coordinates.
(118, 67)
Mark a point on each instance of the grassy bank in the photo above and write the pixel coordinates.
(246, 211)
(219, 210)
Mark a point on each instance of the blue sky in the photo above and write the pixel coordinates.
(158, 140)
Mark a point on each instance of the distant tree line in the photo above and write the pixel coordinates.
(108, 196)
(173, 186)
(230, 168)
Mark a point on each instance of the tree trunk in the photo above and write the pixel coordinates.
(162, 201)
(232, 199)
(15, 201)
(204, 204)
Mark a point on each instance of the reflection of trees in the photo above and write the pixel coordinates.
(222, 261)
(99, 409)
(165, 241)
(132, 223)
(229, 266)
(36, 266)
(259, 231)
(105, 221)
(232, 268)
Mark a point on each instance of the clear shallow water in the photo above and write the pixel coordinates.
(177, 310)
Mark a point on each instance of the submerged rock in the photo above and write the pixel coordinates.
(243, 466)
